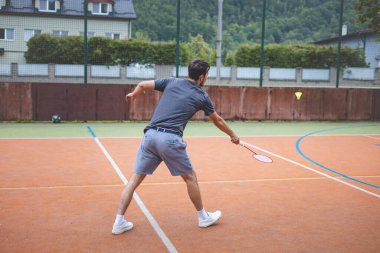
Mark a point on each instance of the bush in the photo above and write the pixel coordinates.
(46, 48)
(291, 56)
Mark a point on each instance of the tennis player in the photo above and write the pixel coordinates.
(162, 140)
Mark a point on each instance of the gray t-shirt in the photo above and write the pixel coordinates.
(180, 100)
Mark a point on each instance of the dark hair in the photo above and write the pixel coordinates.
(197, 68)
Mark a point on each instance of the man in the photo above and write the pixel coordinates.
(162, 140)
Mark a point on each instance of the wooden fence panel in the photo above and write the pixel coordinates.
(107, 102)
(334, 104)
(376, 105)
(110, 102)
(359, 104)
(253, 103)
(15, 101)
(281, 104)
(49, 99)
(310, 105)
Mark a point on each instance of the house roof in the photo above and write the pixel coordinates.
(123, 9)
(358, 34)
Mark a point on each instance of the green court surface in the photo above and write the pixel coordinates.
(194, 128)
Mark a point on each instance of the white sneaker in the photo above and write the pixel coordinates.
(211, 219)
(121, 228)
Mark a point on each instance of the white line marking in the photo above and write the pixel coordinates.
(143, 208)
(238, 181)
(315, 171)
(368, 136)
(187, 137)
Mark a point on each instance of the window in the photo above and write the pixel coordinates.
(5, 4)
(89, 34)
(100, 8)
(115, 36)
(7, 34)
(29, 33)
(60, 33)
(47, 5)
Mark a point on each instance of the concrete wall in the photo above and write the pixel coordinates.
(39, 101)
(232, 79)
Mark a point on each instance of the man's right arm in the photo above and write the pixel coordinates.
(140, 88)
(222, 125)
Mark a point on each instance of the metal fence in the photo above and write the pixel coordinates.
(21, 20)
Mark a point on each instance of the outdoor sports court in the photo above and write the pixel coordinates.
(60, 186)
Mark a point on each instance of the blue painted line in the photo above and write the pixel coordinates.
(324, 167)
(92, 132)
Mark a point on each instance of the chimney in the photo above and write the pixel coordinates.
(344, 30)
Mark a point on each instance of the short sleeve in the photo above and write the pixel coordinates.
(160, 84)
(208, 107)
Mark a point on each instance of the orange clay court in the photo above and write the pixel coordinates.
(60, 186)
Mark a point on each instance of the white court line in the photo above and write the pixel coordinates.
(368, 136)
(188, 137)
(316, 171)
(238, 181)
(139, 202)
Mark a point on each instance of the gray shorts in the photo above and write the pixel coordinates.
(156, 147)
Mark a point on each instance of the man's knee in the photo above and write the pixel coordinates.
(190, 177)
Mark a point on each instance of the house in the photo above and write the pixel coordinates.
(22, 19)
(365, 39)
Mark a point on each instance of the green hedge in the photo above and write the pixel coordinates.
(291, 56)
(46, 48)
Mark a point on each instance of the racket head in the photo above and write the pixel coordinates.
(262, 158)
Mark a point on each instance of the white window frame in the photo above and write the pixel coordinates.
(60, 33)
(6, 30)
(89, 34)
(99, 11)
(112, 35)
(47, 6)
(33, 32)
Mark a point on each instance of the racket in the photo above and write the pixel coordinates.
(259, 157)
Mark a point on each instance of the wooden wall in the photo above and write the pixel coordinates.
(106, 102)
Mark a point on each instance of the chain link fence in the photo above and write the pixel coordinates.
(93, 41)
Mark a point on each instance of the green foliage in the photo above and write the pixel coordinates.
(369, 12)
(199, 49)
(291, 56)
(100, 51)
(46, 48)
(290, 21)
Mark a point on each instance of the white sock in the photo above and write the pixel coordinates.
(119, 218)
(202, 214)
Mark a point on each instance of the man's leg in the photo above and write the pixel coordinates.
(193, 189)
(127, 193)
(205, 218)
(121, 225)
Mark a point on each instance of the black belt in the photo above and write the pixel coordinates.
(165, 130)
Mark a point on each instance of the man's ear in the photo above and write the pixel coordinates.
(202, 78)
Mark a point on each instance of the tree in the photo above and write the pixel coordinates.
(368, 11)
(198, 48)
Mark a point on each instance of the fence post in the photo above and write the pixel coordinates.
(377, 75)
(339, 44)
(51, 71)
(85, 45)
(14, 70)
(262, 59)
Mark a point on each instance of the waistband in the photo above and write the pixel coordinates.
(165, 130)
